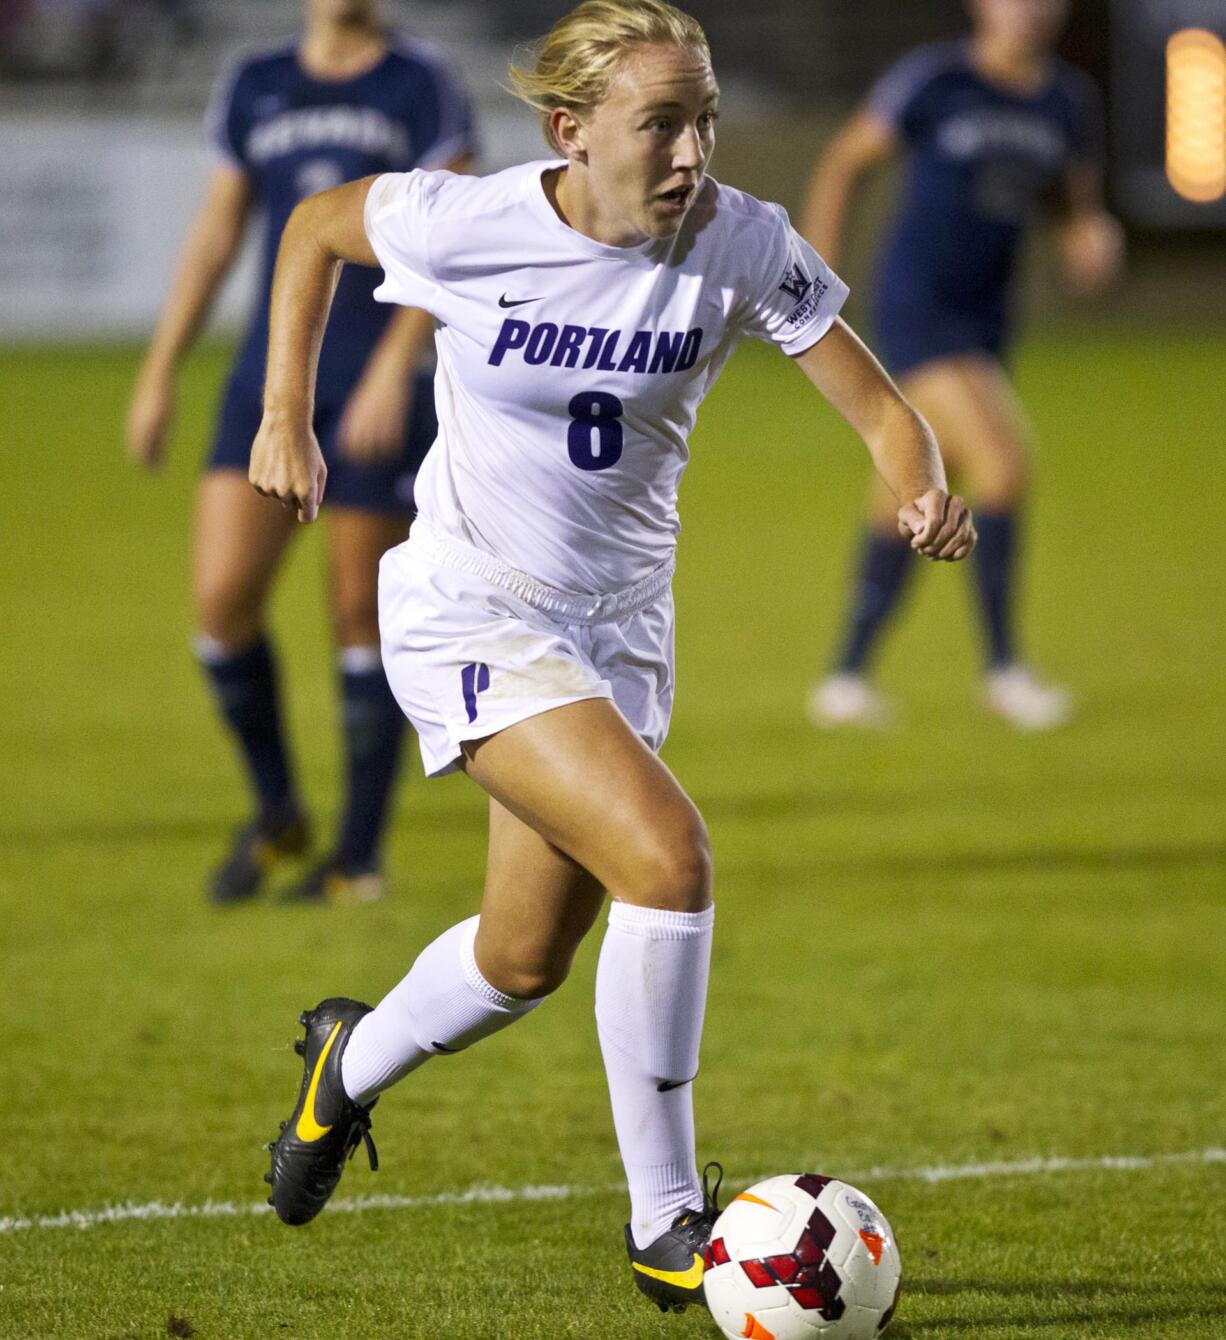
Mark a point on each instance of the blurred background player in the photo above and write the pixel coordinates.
(990, 126)
(346, 100)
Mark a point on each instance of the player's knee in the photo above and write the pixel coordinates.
(533, 982)
(229, 612)
(674, 869)
(355, 620)
(527, 974)
(1002, 479)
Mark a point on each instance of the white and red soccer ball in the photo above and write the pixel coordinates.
(802, 1257)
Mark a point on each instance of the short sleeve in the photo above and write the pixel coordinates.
(895, 97)
(225, 121)
(397, 224)
(798, 296)
(443, 128)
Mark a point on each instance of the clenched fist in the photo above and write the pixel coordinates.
(286, 463)
(939, 526)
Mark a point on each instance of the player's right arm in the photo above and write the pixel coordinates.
(323, 232)
(211, 246)
(373, 424)
(860, 144)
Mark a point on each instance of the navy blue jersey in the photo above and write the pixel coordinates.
(981, 158)
(293, 135)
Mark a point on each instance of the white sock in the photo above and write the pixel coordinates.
(651, 991)
(443, 1005)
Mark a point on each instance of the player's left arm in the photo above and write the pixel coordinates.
(1091, 239)
(904, 450)
(373, 423)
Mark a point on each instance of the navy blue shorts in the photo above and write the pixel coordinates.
(906, 335)
(385, 487)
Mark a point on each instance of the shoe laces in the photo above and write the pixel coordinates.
(710, 1197)
(694, 1226)
(359, 1133)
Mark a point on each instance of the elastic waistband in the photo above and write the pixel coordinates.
(566, 605)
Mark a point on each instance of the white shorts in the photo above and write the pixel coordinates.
(471, 646)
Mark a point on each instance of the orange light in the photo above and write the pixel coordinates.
(1196, 115)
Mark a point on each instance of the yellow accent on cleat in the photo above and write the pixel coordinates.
(683, 1279)
(308, 1128)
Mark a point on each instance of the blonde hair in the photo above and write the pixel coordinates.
(576, 61)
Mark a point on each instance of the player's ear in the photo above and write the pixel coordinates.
(568, 134)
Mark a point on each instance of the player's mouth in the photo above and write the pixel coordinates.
(677, 200)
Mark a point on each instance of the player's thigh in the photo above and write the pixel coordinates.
(583, 780)
(979, 423)
(538, 905)
(239, 540)
(357, 540)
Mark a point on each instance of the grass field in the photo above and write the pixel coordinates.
(948, 947)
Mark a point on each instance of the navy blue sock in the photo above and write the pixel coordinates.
(884, 564)
(374, 728)
(994, 568)
(245, 684)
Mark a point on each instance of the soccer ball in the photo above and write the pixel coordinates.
(802, 1257)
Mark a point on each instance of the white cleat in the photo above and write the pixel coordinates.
(1016, 696)
(847, 700)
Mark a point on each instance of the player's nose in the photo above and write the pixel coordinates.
(687, 150)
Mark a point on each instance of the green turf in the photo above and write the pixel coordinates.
(946, 945)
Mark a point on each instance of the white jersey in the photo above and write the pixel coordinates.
(570, 372)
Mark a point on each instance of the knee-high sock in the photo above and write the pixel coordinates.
(374, 728)
(884, 564)
(995, 565)
(443, 1005)
(651, 993)
(245, 685)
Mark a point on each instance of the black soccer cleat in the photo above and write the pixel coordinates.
(256, 849)
(326, 1125)
(669, 1270)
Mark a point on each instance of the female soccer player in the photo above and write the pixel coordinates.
(347, 100)
(989, 125)
(585, 306)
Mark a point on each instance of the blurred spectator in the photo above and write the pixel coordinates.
(88, 39)
(60, 38)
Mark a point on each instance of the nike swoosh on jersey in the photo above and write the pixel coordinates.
(504, 301)
(684, 1279)
(308, 1128)
(665, 1085)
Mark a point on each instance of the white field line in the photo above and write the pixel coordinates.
(129, 1211)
